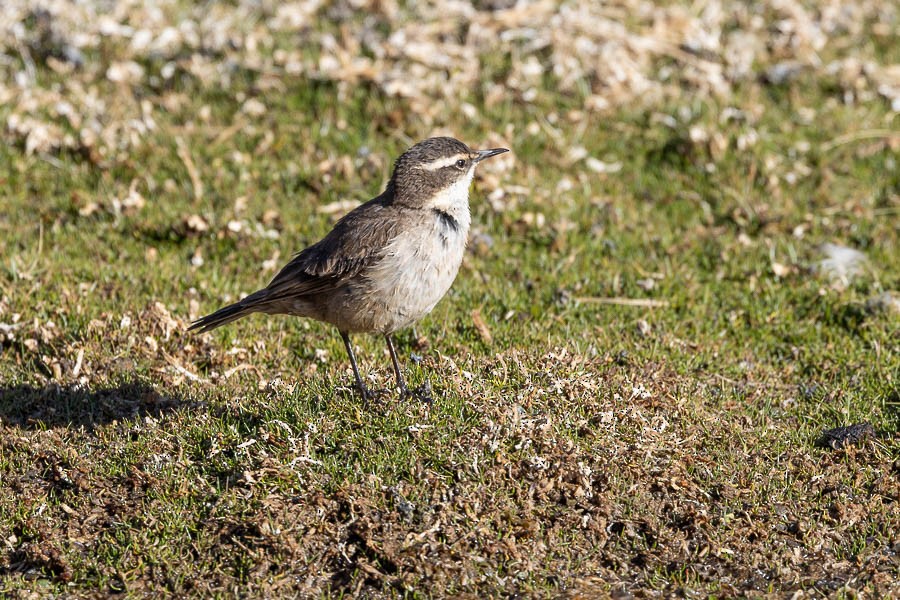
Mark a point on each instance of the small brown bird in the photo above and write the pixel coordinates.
(386, 263)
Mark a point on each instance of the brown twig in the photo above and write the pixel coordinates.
(857, 136)
(642, 302)
(185, 157)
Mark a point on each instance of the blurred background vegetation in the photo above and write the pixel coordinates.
(685, 270)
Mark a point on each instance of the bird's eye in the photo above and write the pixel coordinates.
(460, 164)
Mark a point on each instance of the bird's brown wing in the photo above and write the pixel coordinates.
(356, 241)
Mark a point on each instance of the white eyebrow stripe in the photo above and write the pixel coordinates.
(446, 161)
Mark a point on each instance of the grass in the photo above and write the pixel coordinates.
(585, 449)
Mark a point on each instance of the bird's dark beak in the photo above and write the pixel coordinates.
(483, 154)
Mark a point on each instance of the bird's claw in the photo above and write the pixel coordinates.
(369, 395)
(421, 393)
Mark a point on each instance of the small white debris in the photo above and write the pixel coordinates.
(841, 264)
(339, 207)
(270, 263)
(125, 72)
(644, 328)
(576, 153)
(639, 391)
(780, 270)
(598, 166)
(539, 463)
(885, 302)
(196, 223)
(254, 108)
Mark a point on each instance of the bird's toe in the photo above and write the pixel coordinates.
(423, 393)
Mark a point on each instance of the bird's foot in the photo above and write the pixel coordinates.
(421, 393)
(369, 395)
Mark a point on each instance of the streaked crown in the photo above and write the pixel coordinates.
(434, 165)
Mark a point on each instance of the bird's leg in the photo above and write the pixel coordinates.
(400, 383)
(359, 381)
(423, 392)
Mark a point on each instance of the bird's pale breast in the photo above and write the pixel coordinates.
(415, 272)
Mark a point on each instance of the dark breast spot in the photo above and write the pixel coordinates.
(447, 221)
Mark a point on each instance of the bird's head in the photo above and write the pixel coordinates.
(437, 171)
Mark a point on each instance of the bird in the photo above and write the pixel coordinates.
(386, 263)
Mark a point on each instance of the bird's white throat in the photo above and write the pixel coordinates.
(454, 200)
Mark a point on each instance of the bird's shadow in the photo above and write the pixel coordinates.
(53, 406)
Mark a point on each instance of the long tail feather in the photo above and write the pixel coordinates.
(232, 312)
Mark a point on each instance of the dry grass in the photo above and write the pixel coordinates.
(683, 274)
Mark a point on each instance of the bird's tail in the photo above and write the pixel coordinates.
(232, 312)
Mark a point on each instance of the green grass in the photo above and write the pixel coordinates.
(541, 468)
